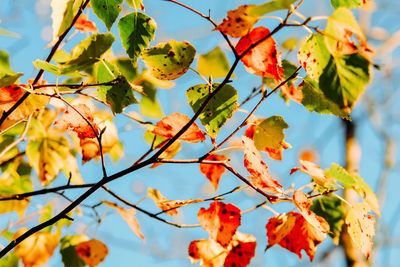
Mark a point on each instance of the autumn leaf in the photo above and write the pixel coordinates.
(129, 216)
(169, 153)
(37, 248)
(243, 247)
(169, 126)
(209, 252)
(213, 172)
(293, 232)
(360, 227)
(92, 252)
(263, 59)
(316, 173)
(85, 25)
(239, 22)
(257, 167)
(303, 203)
(220, 220)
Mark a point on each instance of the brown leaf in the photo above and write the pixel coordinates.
(239, 22)
(213, 172)
(92, 252)
(220, 220)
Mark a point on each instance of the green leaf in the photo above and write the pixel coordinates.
(347, 3)
(214, 63)
(169, 61)
(136, 4)
(127, 69)
(107, 11)
(62, 15)
(41, 64)
(5, 63)
(355, 182)
(269, 133)
(136, 31)
(11, 260)
(270, 7)
(91, 49)
(315, 100)
(9, 79)
(149, 137)
(149, 105)
(119, 95)
(219, 109)
(331, 209)
(46, 215)
(68, 253)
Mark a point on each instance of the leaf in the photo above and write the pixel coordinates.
(239, 21)
(68, 253)
(331, 209)
(269, 136)
(347, 3)
(302, 202)
(90, 50)
(36, 249)
(169, 126)
(289, 90)
(118, 95)
(270, 6)
(220, 220)
(340, 29)
(360, 227)
(169, 206)
(317, 174)
(92, 252)
(62, 16)
(262, 60)
(136, 31)
(315, 100)
(341, 79)
(214, 64)
(355, 182)
(107, 11)
(11, 260)
(84, 24)
(73, 119)
(149, 105)
(71, 169)
(219, 109)
(259, 170)
(5, 66)
(129, 218)
(213, 172)
(242, 251)
(169, 61)
(9, 79)
(293, 232)
(41, 64)
(169, 153)
(136, 4)
(11, 185)
(209, 252)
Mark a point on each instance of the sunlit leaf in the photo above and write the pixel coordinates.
(169, 153)
(136, 4)
(11, 260)
(57, 70)
(169, 61)
(149, 105)
(9, 79)
(347, 3)
(214, 64)
(243, 248)
(317, 174)
(270, 6)
(62, 16)
(5, 66)
(107, 11)
(209, 252)
(92, 252)
(213, 172)
(11, 185)
(84, 24)
(239, 21)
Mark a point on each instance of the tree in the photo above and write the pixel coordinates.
(45, 126)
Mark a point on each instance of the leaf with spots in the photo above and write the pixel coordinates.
(209, 252)
(263, 59)
(169, 61)
(136, 31)
(219, 109)
(214, 64)
(136, 4)
(220, 220)
(92, 252)
(269, 136)
(360, 227)
(169, 126)
(107, 11)
(259, 170)
(293, 232)
(243, 248)
(239, 21)
(303, 203)
(213, 172)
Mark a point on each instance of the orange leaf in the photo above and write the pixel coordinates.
(315, 172)
(92, 252)
(208, 251)
(262, 60)
(293, 232)
(303, 204)
(243, 250)
(129, 216)
(309, 155)
(213, 172)
(169, 126)
(85, 25)
(72, 119)
(220, 220)
(239, 22)
(257, 167)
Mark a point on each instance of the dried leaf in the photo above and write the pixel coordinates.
(316, 173)
(209, 252)
(220, 220)
(242, 251)
(239, 22)
(92, 252)
(85, 25)
(213, 172)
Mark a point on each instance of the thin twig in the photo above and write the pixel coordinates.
(19, 140)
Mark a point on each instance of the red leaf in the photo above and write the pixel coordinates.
(262, 60)
(243, 250)
(293, 232)
(220, 221)
(257, 167)
(169, 126)
(213, 172)
(85, 25)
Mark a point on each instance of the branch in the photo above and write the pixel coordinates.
(19, 140)
(80, 86)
